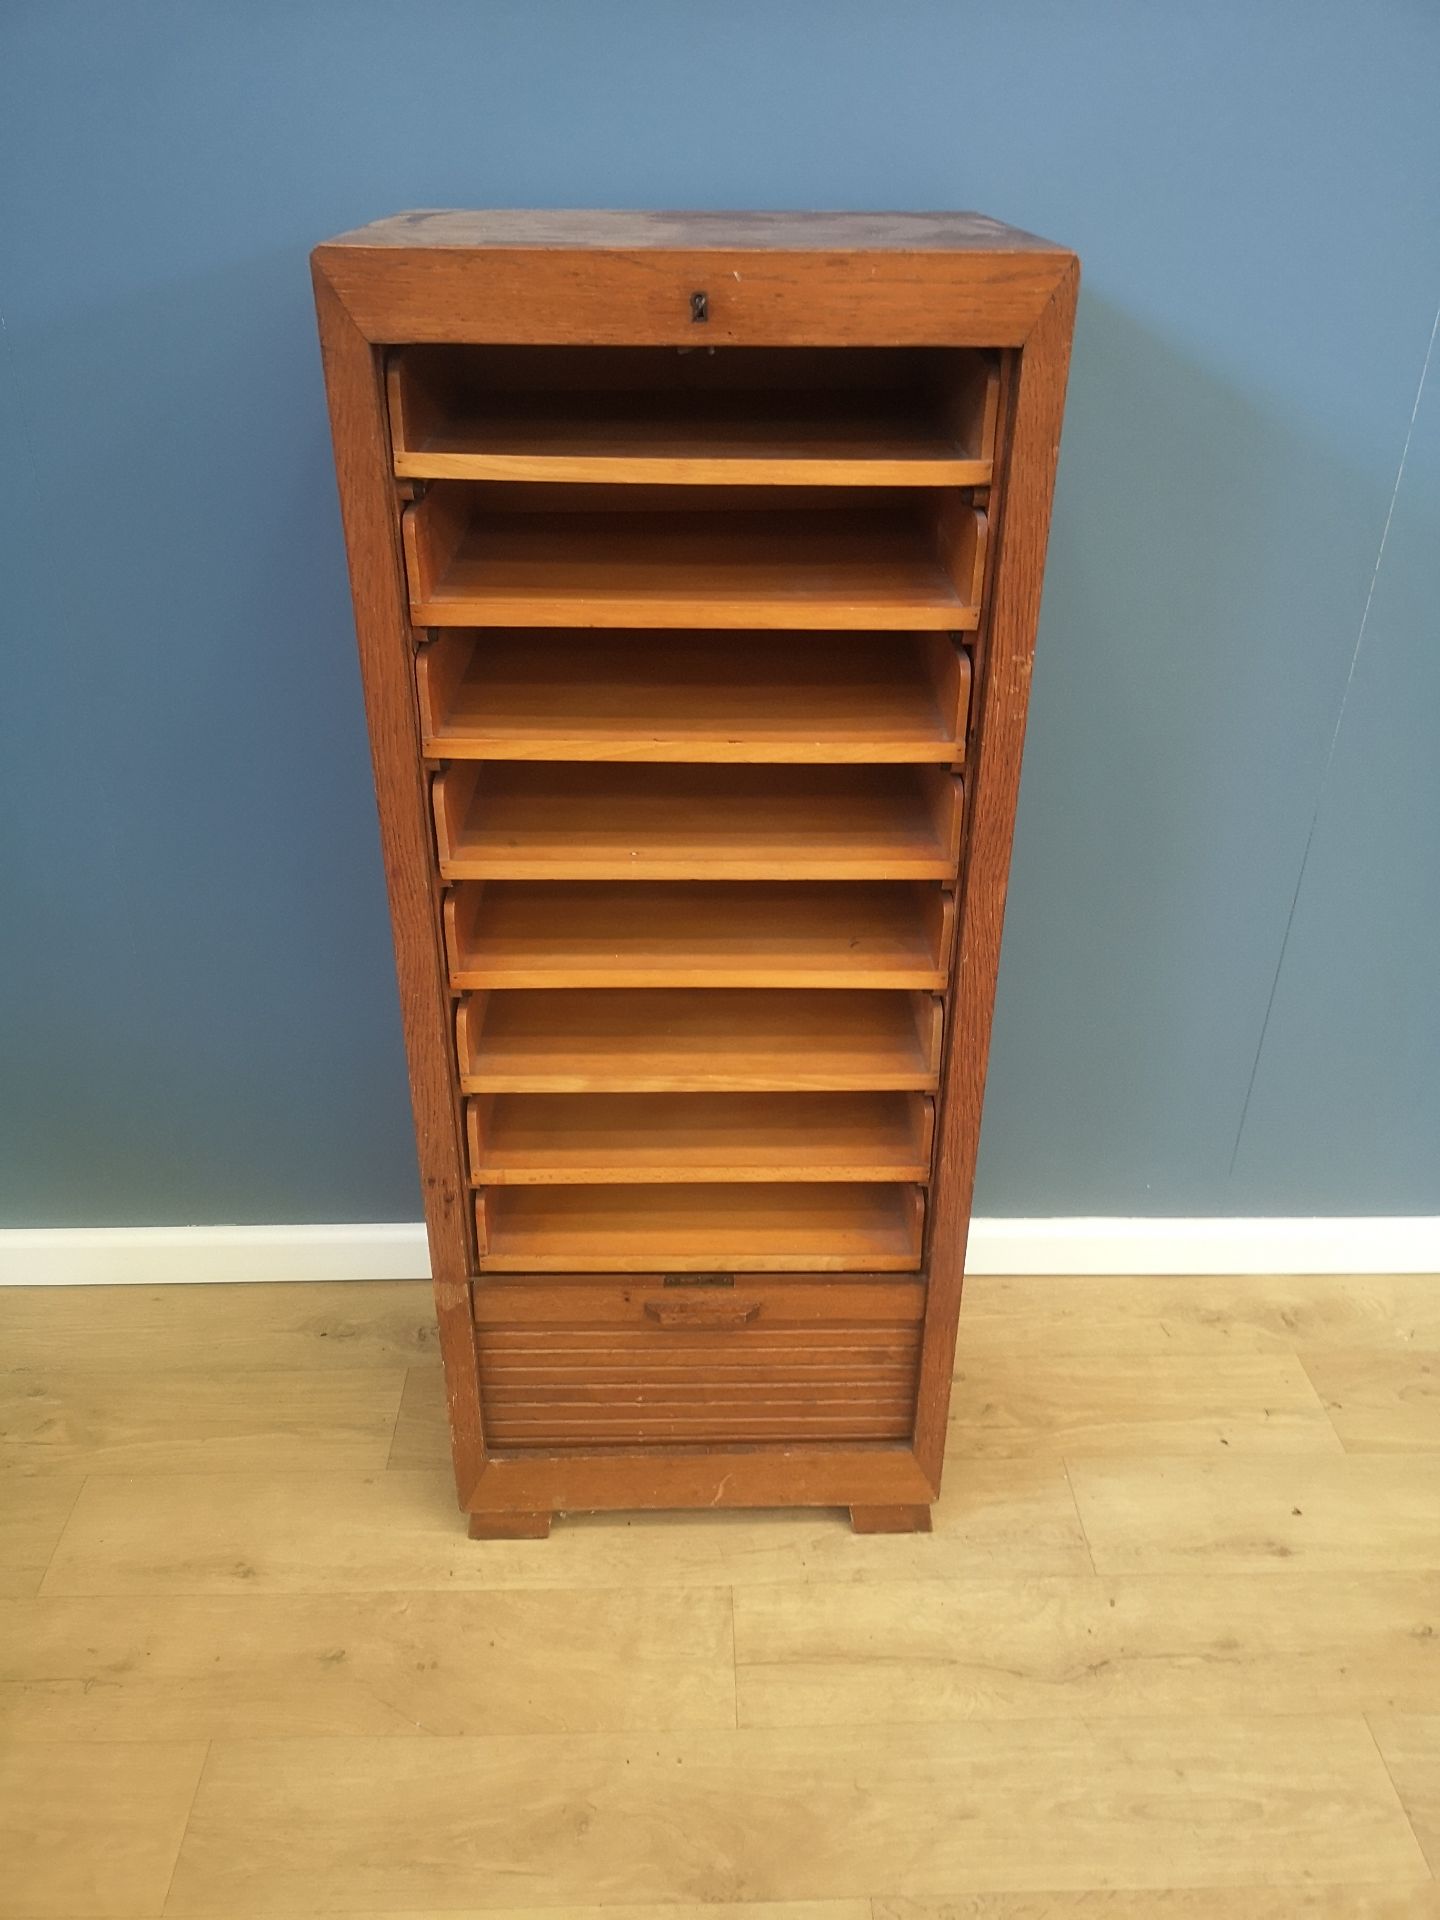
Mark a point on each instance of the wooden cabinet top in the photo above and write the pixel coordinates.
(543, 277)
(504, 227)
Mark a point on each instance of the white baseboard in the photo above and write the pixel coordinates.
(160, 1256)
(167, 1256)
(1352, 1244)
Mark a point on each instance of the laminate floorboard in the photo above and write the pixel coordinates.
(1169, 1654)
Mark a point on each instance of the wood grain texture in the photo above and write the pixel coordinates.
(626, 446)
(1379, 1401)
(372, 1666)
(1132, 1404)
(678, 1040)
(791, 1815)
(422, 1436)
(628, 1910)
(1002, 697)
(1409, 1743)
(916, 1519)
(511, 1523)
(366, 1533)
(634, 933)
(1277, 1313)
(625, 279)
(596, 820)
(640, 416)
(675, 696)
(1303, 1513)
(1410, 1902)
(176, 1422)
(697, 1371)
(768, 1227)
(362, 459)
(916, 1708)
(92, 1830)
(796, 1302)
(467, 228)
(855, 569)
(791, 1473)
(1194, 1645)
(540, 1140)
(33, 1513)
(150, 1330)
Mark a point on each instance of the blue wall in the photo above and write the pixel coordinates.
(197, 1009)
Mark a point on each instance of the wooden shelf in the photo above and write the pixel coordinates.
(689, 1229)
(548, 1139)
(630, 441)
(603, 821)
(676, 696)
(733, 417)
(675, 1040)
(474, 560)
(633, 933)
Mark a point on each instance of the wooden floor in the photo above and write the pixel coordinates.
(1172, 1651)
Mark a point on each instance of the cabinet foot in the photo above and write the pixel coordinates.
(890, 1519)
(510, 1526)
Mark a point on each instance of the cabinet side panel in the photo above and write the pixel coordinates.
(353, 382)
(993, 786)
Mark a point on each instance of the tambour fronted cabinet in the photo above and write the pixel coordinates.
(696, 563)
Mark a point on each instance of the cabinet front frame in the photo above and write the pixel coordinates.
(372, 297)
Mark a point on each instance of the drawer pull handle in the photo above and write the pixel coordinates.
(696, 1312)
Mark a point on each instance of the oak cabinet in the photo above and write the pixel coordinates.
(696, 563)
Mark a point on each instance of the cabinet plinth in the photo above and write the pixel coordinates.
(696, 637)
